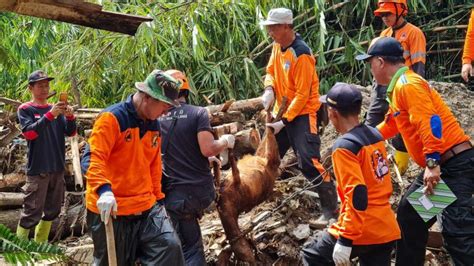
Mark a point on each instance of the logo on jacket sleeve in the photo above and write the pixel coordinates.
(379, 164)
(286, 66)
(37, 116)
(155, 140)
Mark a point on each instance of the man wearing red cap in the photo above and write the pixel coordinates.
(413, 40)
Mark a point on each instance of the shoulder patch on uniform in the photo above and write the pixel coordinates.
(300, 47)
(358, 137)
(120, 112)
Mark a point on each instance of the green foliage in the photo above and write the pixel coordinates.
(24, 252)
(218, 44)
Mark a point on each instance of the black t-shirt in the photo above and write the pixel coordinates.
(45, 135)
(183, 162)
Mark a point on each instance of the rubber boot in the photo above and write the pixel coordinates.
(402, 159)
(22, 233)
(42, 231)
(328, 199)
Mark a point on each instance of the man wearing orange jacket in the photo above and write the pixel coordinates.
(291, 73)
(468, 53)
(436, 142)
(367, 227)
(413, 40)
(122, 166)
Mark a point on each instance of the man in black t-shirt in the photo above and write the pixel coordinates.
(187, 148)
(44, 126)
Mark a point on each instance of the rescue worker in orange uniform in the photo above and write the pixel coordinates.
(437, 143)
(413, 40)
(291, 73)
(188, 147)
(122, 166)
(468, 53)
(366, 227)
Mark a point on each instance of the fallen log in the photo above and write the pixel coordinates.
(11, 199)
(244, 106)
(10, 219)
(220, 118)
(231, 128)
(11, 181)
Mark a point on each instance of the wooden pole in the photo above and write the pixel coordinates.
(76, 163)
(109, 232)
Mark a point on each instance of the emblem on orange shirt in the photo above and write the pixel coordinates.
(286, 66)
(379, 164)
(154, 140)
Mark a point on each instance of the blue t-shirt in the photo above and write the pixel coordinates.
(183, 162)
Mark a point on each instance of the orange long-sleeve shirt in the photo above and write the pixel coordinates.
(364, 187)
(413, 42)
(292, 73)
(468, 53)
(425, 122)
(125, 153)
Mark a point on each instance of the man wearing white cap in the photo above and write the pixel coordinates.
(291, 73)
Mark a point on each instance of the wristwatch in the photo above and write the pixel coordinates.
(431, 163)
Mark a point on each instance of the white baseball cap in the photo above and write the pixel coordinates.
(278, 16)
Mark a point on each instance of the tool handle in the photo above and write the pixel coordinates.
(109, 232)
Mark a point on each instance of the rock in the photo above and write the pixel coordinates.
(302, 231)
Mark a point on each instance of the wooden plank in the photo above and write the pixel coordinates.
(76, 162)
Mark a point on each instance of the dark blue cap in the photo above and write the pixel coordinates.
(342, 96)
(383, 46)
(37, 76)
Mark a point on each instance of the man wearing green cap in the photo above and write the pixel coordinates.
(122, 165)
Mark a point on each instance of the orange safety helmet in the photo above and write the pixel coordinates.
(180, 77)
(397, 7)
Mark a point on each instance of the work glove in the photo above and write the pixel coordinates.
(342, 255)
(277, 126)
(106, 205)
(230, 139)
(213, 159)
(268, 97)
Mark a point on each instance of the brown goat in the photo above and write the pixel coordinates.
(250, 183)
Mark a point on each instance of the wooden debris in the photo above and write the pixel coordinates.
(76, 163)
(11, 180)
(11, 199)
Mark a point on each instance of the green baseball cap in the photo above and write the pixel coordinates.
(160, 86)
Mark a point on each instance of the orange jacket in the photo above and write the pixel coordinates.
(425, 122)
(292, 73)
(119, 156)
(413, 42)
(468, 54)
(364, 187)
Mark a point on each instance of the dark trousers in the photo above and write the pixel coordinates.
(185, 205)
(378, 107)
(320, 252)
(301, 135)
(148, 238)
(457, 220)
(44, 195)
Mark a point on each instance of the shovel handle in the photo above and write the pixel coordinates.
(109, 232)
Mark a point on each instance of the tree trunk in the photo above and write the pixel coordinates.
(11, 181)
(231, 128)
(11, 199)
(244, 106)
(220, 118)
(10, 219)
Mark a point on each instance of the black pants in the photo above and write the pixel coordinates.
(457, 220)
(320, 252)
(301, 135)
(185, 205)
(148, 238)
(376, 113)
